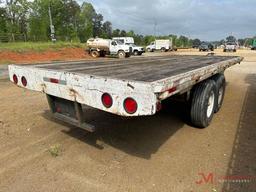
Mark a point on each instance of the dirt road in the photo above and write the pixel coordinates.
(158, 153)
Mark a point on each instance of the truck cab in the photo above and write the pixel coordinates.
(116, 46)
(230, 47)
(136, 50)
(151, 47)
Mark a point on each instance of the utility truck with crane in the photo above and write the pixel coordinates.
(136, 50)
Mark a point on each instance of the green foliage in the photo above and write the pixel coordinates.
(26, 20)
(3, 21)
(231, 38)
(36, 46)
(55, 150)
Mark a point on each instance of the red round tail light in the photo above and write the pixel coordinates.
(24, 81)
(15, 79)
(106, 100)
(130, 105)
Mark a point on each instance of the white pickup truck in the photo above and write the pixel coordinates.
(230, 47)
(136, 50)
(101, 47)
(128, 87)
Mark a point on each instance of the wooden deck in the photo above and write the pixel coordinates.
(147, 69)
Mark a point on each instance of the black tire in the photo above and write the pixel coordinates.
(224, 50)
(121, 54)
(234, 50)
(136, 52)
(127, 55)
(163, 49)
(102, 54)
(95, 54)
(221, 87)
(203, 102)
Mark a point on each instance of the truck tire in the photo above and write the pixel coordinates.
(203, 102)
(121, 54)
(127, 55)
(136, 52)
(234, 50)
(95, 54)
(221, 87)
(224, 50)
(163, 49)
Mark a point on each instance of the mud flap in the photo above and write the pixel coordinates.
(68, 111)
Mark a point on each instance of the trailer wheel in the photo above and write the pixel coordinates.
(95, 54)
(221, 87)
(203, 103)
(121, 54)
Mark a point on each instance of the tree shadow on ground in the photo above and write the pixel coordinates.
(242, 164)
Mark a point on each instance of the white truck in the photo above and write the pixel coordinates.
(136, 50)
(161, 44)
(101, 47)
(128, 87)
(230, 46)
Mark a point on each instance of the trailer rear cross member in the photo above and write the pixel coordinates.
(128, 87)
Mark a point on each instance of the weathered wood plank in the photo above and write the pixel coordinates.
(147, 69)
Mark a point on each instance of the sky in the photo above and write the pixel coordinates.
(204, 19)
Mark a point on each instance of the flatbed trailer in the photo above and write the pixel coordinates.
(128, 87)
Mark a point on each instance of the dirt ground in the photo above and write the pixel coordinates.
(43, 56)
(158, 153)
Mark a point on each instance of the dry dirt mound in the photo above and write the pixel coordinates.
(49, 55)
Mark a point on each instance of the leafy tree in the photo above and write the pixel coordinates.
(241, 41)
(123, 33)
(16, 14)
(231, 38)
(148, 39)
(85, 26)
(183, 41)
(107, 29)
(3, 21)
(97, 25)
(116, 33)
(196, 42)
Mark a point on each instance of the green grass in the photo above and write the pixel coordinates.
(54, 150)
(36, 46)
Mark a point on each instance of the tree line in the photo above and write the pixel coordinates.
(25, 20)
